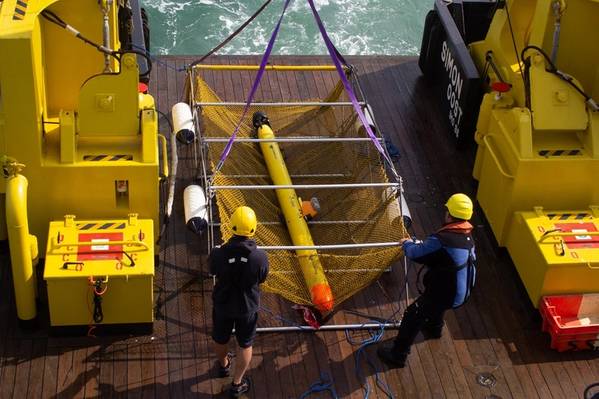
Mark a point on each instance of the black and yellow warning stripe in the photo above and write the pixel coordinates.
(558, 153)
(98, 158)
(20, 10)
(101, 226)
(570, 216)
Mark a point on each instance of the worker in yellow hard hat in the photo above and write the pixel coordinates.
(240, 267)
(449, 258)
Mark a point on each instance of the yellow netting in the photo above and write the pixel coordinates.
(365, 215)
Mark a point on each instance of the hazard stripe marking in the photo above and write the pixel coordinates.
(98, 226)
(97, 158)
(20, 10)
(557, 153)
(566, 216)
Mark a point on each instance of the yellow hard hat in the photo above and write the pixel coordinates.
(243, 221)
(460, 206)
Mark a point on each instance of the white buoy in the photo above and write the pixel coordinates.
(405, 212)
(368, 116)
(183, 123)
(398, 210)
(194, 202)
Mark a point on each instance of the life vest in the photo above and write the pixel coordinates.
(450, 259)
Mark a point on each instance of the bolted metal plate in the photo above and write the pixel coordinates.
(486, 380)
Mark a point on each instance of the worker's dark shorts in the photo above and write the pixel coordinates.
(245, 328)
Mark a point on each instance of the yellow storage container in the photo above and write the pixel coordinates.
(108, 259)
(556, 252)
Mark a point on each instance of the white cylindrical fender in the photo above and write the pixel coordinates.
(363, 149)
(194, 202)
(183, 123)
(398, 210)
(369, 118)
(405, 212)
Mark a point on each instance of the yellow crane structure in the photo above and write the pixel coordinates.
(536, 123)
(80, 144)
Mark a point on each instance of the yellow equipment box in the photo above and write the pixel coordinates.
(100, 271)
(556, 252)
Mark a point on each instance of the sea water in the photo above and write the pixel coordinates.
(390, 27)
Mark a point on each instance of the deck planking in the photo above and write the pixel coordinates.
(497, 332)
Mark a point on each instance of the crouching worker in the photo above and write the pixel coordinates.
(449, 258)
(239, 268)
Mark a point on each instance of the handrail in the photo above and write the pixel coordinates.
(592, 267)
(280, 68)
(142, 244)
(566, 234)
(162, 139)
(494, 156)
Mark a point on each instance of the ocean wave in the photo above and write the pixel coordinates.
(391, 27)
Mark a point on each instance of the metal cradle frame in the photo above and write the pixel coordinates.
(201, 160)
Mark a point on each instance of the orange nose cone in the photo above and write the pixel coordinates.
(322, 297)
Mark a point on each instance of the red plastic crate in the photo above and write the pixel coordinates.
(572, 321)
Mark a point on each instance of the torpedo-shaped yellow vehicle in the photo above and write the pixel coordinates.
(316, 281)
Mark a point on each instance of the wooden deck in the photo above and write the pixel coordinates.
(497, 332)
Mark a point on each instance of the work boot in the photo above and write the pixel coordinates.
(392, 357)
(225, 371)
(239, 389)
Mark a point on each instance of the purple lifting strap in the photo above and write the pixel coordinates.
(337, 60)
(263, 64)
(334, 53)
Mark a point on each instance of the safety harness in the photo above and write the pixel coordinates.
(465, 228)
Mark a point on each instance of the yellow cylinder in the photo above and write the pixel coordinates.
(316, 281)
(20, 244)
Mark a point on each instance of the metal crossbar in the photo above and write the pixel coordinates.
(311, 222)
(279, 104)
(279, 68)
(333, 327)
(329, 247)
(304, 186)
(298, 176)
(305, 139)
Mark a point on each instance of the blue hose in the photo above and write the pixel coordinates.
(361, 352)
(324, 384)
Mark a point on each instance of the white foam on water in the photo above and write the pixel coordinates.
(389, 27)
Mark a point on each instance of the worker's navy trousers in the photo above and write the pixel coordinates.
(425, 313)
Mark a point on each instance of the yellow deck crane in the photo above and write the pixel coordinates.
(535, 65)
(80, 152)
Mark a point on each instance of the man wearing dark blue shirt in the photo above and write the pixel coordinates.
(240, 267)
(449, 258)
